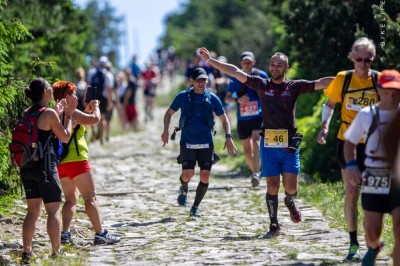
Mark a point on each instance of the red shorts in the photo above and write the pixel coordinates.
(73, 169)
(131, 113)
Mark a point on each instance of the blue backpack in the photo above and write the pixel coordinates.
(61, 149)
(187, 111)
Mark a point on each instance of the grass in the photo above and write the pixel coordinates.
(7, 204)
(329, 199)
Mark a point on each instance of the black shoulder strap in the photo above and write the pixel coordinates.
(374, 76)
(346, 82)
(375, 121)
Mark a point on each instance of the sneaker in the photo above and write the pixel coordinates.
(274, 231)
(354, 253)
(63, 254)
(255, 180)
(105, 238)
(370, 257)
(295, 214)
(26, 258)
(182, 196)
(66, 238)
(194, 212)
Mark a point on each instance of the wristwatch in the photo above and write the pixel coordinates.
(228, 136)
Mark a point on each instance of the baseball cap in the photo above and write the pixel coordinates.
(390, 79)
(103, 60)
(247, 56)
(198, 73)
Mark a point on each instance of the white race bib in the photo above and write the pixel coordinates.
(249, 109)
(197, 146)
(377, 181)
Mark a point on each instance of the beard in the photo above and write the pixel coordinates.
(277, 76)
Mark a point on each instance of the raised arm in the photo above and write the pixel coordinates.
(322, 83)
(228, 69)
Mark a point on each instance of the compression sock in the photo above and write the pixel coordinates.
(290, 197)
(353, 238)
(272, 205)
(200, 192)
(185, 185)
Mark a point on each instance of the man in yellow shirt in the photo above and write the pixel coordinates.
(355, 89)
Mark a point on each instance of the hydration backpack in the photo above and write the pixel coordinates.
(61, 149)
(25, 148)
(97, 84)
(187, 111)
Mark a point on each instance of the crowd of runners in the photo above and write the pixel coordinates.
(266, 128)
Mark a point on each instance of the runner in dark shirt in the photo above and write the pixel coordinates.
(279, 146)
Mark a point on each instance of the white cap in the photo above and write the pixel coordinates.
(103, 61)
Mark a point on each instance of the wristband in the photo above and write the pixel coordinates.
(228, 136)
(208, 59)
(353, 164)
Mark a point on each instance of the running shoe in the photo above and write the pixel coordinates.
(194, 212)
(370, 257)
(182, 196)
(295, 214)
(274, 231)
(255, 180)
(66, 238)
(354, 253)
(105, 238)
(26, 258)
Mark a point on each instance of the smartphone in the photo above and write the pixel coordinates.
(91, 94)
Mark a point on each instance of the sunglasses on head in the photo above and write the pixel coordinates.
(365, 60)
(201, 80)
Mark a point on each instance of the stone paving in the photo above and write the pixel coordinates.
(137, 185)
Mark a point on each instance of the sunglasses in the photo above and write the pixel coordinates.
(365, 60)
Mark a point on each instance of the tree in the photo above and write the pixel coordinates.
(104, 31)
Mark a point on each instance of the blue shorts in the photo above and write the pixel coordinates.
(275, 161)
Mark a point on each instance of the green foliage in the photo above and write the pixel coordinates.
(223, 26)
(318, 160)
(58, 35)
(103, 30)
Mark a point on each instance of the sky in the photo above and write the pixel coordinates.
(143, 23)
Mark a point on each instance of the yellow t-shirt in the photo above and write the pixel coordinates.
(360, 93)
(83, 149)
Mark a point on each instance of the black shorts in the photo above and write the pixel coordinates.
(150, 92)
(202, 156)
(246, 127)
(382, 203)
(360, 155)
(35, 184)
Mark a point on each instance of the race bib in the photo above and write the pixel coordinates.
(249, 109)
(377, 181)
(197, 146)
(356, 100)
(276, 138)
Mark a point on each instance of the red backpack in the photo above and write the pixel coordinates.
(25, 148)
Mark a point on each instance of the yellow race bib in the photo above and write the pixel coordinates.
(276, 138)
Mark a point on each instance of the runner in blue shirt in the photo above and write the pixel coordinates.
(249, 116)
(198, 106)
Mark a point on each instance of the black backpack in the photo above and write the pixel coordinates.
(97, 86)
(346, 83)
